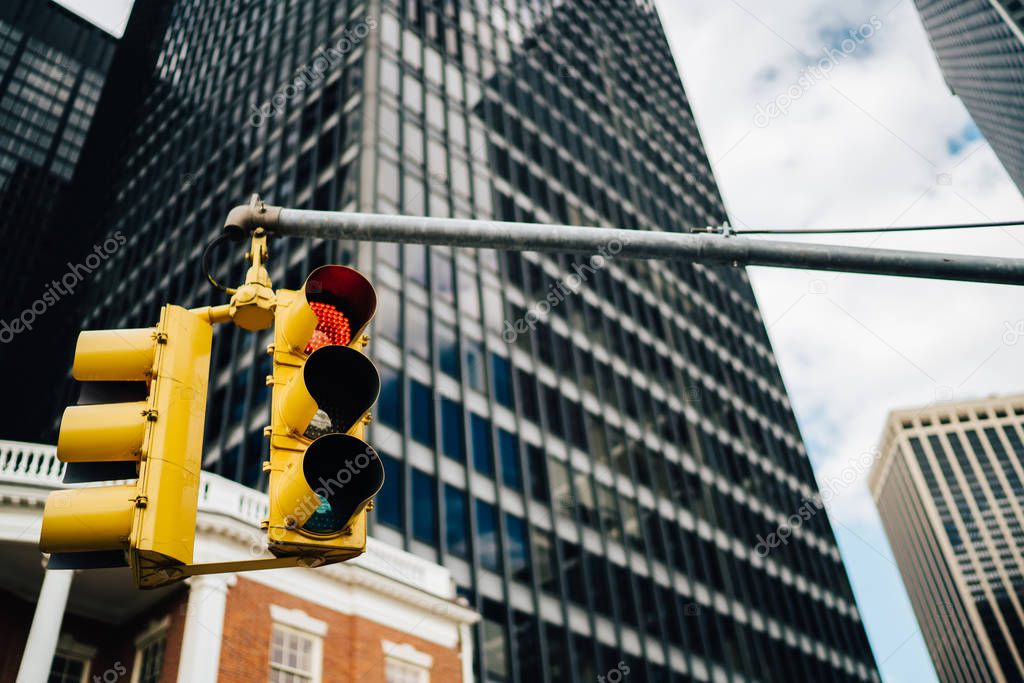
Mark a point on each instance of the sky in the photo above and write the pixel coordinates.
(110, 15)
(871, 137)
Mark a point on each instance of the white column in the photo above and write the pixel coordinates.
(466, 644)
(204, 628)
(42, 636)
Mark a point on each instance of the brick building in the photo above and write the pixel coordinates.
(388, 617)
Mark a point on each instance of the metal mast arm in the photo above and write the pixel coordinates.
(618, 243)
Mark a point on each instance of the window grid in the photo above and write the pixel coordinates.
(396, 671)
(151, 660)
(293, 656)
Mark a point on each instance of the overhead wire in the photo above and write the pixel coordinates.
(902, 228)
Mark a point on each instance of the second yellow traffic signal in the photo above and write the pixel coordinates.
(140, 417)
(323, 476)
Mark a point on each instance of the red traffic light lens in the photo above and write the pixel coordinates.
(347, 290)
(332, 327)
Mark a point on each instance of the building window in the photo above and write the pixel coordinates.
(487, 536)
(69, 669)
(405, 664)
(508, 453)
(149, 652)
(469, 297)
(400, 672)
(291, 656)
(421, 403)
(150, 661)
(451, 430)
(518, 555)
(389, 319)
(417, 331)
(538, 473)
(447, 350)
(502, 380)
(389, 405)
(296, 646)
(388, 504)
(544, 564)
(424, 507)
(495, 642)
(456, 521)
(480, 431)
(441, 275)
(474, 365)
(73, 661)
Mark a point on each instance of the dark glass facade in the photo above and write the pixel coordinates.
(591, 446)
(980, 47)
(52, 69)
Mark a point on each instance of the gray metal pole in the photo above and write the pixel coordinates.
(617, 243)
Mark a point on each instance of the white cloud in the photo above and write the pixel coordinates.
(868, 146)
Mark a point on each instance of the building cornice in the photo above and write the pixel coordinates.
(227, 528)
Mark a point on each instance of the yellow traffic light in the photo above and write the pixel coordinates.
(140, 416)
(323, 476)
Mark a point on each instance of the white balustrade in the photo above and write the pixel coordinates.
(37, 465)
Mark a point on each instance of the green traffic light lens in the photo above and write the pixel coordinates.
(324, 520)
(345, 473)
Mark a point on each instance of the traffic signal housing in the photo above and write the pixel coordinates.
(323, 476)
(140, 417)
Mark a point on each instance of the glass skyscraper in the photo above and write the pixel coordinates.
(53, 65)
(980, 47)
(592, 446)
(52, 68)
